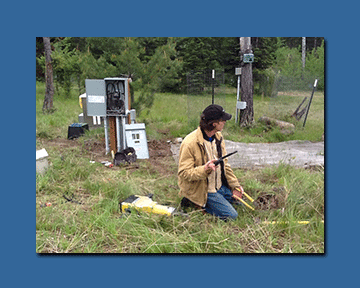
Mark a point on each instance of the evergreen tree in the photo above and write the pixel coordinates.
(197, 53)
(148, 46)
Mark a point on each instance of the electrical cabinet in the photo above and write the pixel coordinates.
(107, 97)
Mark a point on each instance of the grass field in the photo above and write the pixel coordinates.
(92, 223)
(176, 110)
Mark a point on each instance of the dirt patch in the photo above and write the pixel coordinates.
(266, 202)
(271, 200)
(161, 160)
(159, 149)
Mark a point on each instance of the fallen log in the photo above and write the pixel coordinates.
(284, 126)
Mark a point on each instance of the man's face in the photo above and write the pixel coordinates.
(219, 126)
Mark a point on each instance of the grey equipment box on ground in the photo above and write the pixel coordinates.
(136, 138)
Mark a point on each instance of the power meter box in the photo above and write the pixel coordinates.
(248, 58)
(135, 135)
(107, 97)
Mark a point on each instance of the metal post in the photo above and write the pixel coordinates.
(118, 138)
(107, 149)
(312, 94)
(238, 73)
(237, 99)
(213, 79)
(123, 136)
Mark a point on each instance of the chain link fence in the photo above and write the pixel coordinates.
(290, 96)
(280, 95)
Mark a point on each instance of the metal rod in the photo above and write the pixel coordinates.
(213, 79)
(123, 136)
(107, 149)
(118, 139)
(237, 99)
(312, 94)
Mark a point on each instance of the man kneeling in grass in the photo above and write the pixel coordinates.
(201, 182)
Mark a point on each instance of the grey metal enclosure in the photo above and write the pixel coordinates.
(107, 97)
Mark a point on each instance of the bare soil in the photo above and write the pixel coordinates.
(159, 152)
(271, 200)
(160, 157)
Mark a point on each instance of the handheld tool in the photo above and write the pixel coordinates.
(242, 201)
(217, 162)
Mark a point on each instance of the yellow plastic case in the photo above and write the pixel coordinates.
(145, 203)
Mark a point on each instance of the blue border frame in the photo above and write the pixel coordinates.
(334, 21)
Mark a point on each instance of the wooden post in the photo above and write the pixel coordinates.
(247, 89)
(112, 128)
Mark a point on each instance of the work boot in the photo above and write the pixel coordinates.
(187, 205)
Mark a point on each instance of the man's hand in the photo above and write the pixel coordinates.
(238, 191)
(210, 166)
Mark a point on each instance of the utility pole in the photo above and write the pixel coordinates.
(247, 87)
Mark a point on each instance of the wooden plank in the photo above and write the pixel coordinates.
(112, 128)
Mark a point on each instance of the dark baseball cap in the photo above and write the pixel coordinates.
(216, 112)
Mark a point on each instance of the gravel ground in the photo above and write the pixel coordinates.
(303, 154)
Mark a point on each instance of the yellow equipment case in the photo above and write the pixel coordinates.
(145, 203)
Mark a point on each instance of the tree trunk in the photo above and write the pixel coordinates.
(247, 87)
(303, 54)
(49, 92)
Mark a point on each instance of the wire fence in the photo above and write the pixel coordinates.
(290, 96)
(202, 90)
(285, 96)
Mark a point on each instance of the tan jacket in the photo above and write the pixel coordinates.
(192, 178)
